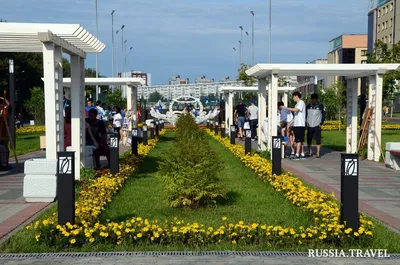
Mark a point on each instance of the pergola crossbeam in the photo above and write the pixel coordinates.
(68, 48)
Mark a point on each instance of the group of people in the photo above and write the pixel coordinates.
(98, 119)
(292, 124)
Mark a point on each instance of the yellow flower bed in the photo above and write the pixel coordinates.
(92, 200)
(31, 129)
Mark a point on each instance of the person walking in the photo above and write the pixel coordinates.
(253, 117)
(299, 124)
(315, 115)
(240, 111)
(285, 121)
(117, 121)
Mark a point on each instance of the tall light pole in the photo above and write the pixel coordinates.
(130, 49)
(125, 55)
(245, 56)
(234, 61)
(122, 42)
(97, 55)
(112, 37)
(270, 28)
(241, 45)
(240, 55)
(116, 51)
(252, 36)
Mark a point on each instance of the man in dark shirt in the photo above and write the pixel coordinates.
(96, 135)
(240, 111)
(315, 117)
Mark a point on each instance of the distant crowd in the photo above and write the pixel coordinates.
(292, 124)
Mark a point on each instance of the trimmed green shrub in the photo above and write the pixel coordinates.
(189, 169)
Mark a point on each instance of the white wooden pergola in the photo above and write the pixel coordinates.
(268, 74)
(229, 92)
(52, 40)
(131, 83)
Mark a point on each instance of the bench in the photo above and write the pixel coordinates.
(393, 155)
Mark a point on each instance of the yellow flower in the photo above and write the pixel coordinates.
(91, 240)
(37, 237)
(139, 235)
(224, 218)
(72, 241)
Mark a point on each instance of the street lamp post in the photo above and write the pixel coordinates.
(122, 33)
(252, 37)
(112, 37)
(234, 61)
(245, 57)
(125, 55)
(270, 28)
(132, 57)
(116, 51)
(240, 54)
(241, 45)
(97, 55)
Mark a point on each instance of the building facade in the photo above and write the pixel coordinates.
(382, 22)
(203, 80)
(177, 80)
(347, 49)
(305, 84)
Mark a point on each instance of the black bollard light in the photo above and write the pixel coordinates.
(216, 128)
(157, 128)
(152, 130)
(233, 134)
(349, 191)
(276, 155)
(208, 124)
(114, 154)
(65, 187)
(161, 125)
(247, 143)
(145, 135)
(222, 130)
(135, 138)
(211, 125)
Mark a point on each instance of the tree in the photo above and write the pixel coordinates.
(382, 54)
(155, 97)
(35, 105)
(248, 80)
(115, 98)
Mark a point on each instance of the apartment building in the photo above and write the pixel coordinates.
(347, 49)
(305, 84)
(382, 22)
(177, 80)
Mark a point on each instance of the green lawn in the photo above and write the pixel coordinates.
(337, 140)
(250, 199)
(27, 142)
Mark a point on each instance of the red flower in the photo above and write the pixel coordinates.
(104, 171)
(87, 190)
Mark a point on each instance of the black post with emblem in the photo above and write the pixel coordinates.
(349, 191)
(276, 155)
(211, 125)
(216, 128)
(208, 124)
(247, 143)
(135, 138)
(114, 154)
(222, 130)
(233, 134)
(157, 128)
(161, 125)
(152, 130)
(65, 187)
(145, 136)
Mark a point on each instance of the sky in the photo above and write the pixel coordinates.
(192, 38)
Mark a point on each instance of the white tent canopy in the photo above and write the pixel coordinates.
(268, 75)
(52, 40)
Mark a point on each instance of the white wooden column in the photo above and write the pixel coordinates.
(227, 110)
(134, 104)
(274, 108)
(262, 112)
(378, 117)
(82, 113)
(50, 87)
(351, 128)
(230, 111)
(269, 106)
(76, 110)
(128, 97)
(59, 99)
(285, 98)
(371, 104)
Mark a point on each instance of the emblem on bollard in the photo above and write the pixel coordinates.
(134, 133)
(113, 142)
(350, 167)
(277, 143)
(65, 165)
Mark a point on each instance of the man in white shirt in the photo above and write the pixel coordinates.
(253, 117)
(299, 124)
(100, 110)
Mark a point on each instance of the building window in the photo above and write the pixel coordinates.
(379, 27)
(379, 13)
(386, 39)
(391, 6)
(383, 25)
(364, 52)
(390, 38)
(387, 9)
(383, 11)
(391, 22)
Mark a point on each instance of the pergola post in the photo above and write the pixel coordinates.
(262, 108)
(285, 98)
(273, 108)
(377, 118)
(78, 132)
(227, 110)
(59, 99)
(134, 106)
(129, 97)
(50, 96)
(231, 106)
(371, 102)
(351, 129)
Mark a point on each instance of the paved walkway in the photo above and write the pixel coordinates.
(379, 187)
(14, 211)
(201, 260)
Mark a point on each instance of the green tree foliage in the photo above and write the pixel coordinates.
(382, 54)
(35, 105)
(189, 169)
(155, 96)
(247, 80)
(115, 98)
